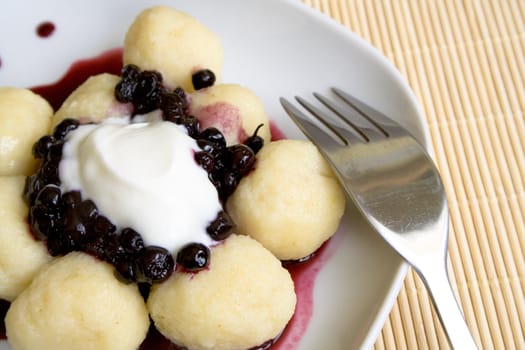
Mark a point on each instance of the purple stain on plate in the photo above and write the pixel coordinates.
(45, 29)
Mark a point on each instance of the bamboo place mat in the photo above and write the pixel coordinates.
(465, 61)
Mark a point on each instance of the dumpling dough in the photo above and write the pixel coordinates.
(93, 101)
(244, 299)
(21, 256)
(291, 202)
(233, 109)
(24, 118)
(76, 303)
(173, 43)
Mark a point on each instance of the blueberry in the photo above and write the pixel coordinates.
(65, 127)
(74, 227)
(44, 222)
(155, 264)
(130, 72)
(131, 241)
(216, 181)
(72, 198)
(113, 250)
(50, 196)
(59, 245)
(125, 88)
(255, 142)
(230, 180)
(224, 158)
(203, 79)
(148, 92)
(87, 210)
(96, 247)
(182, 94)
(194, 257)
(49, 172)
(42, 146)
(209, 147)
(124, 91)
(33, 185)
(205, 160)
(242, 159)
(173, 107)
(221, 227)
(54, 153)
(191, 124)
(127, 270)
(102, 226)
(142, 88)
(214, 136)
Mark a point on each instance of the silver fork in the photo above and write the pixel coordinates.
(396, 186)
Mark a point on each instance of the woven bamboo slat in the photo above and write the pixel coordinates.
(465, 61)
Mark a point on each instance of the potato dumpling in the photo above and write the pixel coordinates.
(291, 202)
(233, 109)
(76, 303)
(21, 256)
(242, 300)
(93, 101)
(173, 43)
(24, 118)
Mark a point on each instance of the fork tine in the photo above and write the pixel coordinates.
(378, 119)
(344, 114)
(312, 131)
(331, 123)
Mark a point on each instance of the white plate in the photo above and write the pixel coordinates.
(277, 48)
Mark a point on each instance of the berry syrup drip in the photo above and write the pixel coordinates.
(4, 305)
(107, 62)
(156, 341)
(45, 29)
(303, 273)
(276, 133)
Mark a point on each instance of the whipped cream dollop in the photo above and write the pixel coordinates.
(142, 175)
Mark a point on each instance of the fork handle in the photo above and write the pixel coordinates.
(447, 307)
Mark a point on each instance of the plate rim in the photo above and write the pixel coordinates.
(397, 281)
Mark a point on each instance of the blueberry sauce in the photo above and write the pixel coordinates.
(303, 273)
(276, 133)
(55, 93)
(45, 29)
(157, 341)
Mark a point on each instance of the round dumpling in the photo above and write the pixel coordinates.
(21, 256)
(93, 101)
(173, 43)
(242, 300)
(291, 202)
(24, 118)
(76, 303)
(233, 109)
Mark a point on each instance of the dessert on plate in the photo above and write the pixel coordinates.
(155, 196)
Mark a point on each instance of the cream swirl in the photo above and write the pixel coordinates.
(142, 175)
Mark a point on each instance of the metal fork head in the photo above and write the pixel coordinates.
(383, 168)
(396, 186)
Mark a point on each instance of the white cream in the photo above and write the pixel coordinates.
(142, 175)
